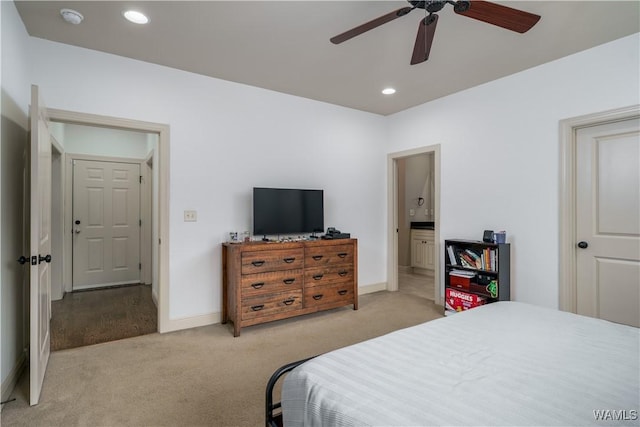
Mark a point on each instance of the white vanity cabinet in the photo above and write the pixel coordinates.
(423, 249)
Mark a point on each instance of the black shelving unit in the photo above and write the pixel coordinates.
(486, 264)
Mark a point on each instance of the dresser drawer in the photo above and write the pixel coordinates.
(263, 261)
(337, 294)
(272, 282)
(321, 276)
(328, 255)
(267, 305)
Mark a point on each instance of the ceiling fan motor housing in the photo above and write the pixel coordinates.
(433, 6)
(430, 6)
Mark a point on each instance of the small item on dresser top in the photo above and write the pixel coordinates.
(332, 233)
(233, 236)
(487, 236)
(500, 237)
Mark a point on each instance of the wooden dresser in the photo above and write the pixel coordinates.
(267, 281)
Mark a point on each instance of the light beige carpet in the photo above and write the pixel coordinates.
(202, 376)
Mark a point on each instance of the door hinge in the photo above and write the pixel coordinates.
(139, 266)
(140, 222)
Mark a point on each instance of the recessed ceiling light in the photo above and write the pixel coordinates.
(388, 91)
(71, 16)
(135, 17)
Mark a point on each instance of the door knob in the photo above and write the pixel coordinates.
(583, 245)
(77, 231)
(44, 258)
(23, 259)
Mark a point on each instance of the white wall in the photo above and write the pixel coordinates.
(500, 153)
(15, 99)
(225, 139)
(419, 183)
(99, 141)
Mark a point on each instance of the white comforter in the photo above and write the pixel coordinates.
(507, 364)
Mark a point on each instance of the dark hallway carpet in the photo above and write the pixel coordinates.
(97, 316)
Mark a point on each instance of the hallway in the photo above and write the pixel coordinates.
(102, 315)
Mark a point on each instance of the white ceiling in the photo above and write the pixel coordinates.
(284, 45)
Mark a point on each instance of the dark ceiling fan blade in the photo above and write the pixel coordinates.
(502, 16)
(370, 25)
(424, 39)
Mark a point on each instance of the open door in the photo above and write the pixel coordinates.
(40, 250)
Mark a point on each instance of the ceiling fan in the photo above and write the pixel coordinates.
(492, 13)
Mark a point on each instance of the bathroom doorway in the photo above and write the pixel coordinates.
(413, 222)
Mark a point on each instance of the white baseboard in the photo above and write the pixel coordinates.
(12, 379)
(368, 289)
(154, 297)
(193, 322)
(423, 271)
(405, 269)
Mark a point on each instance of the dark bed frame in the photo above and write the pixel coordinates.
(274, 418)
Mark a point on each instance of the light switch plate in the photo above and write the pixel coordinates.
(190, 216)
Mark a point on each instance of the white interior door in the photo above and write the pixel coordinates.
(106, 229)
(608, 221)
(40, 246)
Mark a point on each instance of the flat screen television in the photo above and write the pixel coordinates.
(287, 211)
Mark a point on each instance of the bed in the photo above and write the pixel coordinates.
(502, 364)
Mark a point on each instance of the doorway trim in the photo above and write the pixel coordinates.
(58, 171)
(567, 283)
(392, 216)
(162, 130)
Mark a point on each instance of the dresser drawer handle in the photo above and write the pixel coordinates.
(342, 292)
(289, 281)
(342, 273)
(318, 276)
(257, 263)
(289, 301)
(342, 254)
(317, 257)
(257, 307)
(318, 297)
(289, 260)
(257, 285)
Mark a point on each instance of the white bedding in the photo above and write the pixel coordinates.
(506, 363)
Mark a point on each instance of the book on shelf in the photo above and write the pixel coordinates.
(452, 257)
(478, 259)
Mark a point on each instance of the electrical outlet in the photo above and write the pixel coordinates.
(412, 212)
(190, 216)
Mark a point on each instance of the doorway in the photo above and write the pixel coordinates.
(415, 189)
(156, 177)
(104, 297)
(600, 206)
(413, 229)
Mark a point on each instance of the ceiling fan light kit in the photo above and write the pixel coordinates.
(485, 11)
